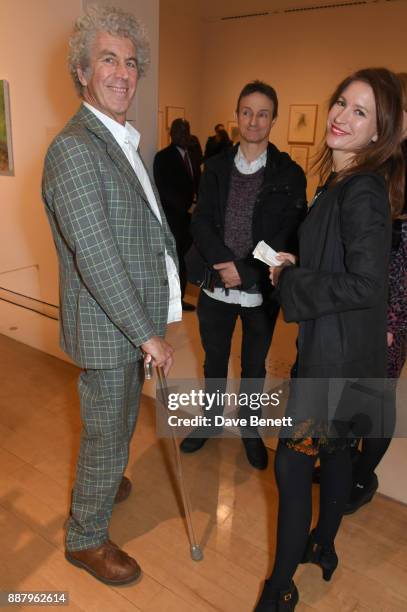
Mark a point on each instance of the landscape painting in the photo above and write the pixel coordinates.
(6, 153)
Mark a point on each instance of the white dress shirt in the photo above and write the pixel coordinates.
(128, 138)
(246, 167)
(184, 153)
(236, 296)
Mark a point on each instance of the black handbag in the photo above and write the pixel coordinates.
(198, 271)
(364, 409)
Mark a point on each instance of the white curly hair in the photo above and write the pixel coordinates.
(105, 19)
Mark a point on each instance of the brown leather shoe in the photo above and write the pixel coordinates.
(108, 563)
(123, 491)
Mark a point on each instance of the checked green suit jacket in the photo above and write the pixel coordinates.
(113, 282)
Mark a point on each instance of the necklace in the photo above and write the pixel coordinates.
(314, 199)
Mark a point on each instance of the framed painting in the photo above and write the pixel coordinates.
(300, 156)
(302, 123)
(6, 150)
(174, 112)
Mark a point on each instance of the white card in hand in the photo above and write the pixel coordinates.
(266, 254)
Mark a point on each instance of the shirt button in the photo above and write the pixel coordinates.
(165, 282)
(160, 254)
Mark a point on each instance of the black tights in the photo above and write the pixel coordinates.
(372, 452)
(373, 449)
(294, 479)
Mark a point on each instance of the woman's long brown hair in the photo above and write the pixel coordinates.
(383, 156)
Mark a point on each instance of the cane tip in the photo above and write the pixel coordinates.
(196, 553)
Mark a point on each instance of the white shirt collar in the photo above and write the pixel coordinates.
(124, 134)
(181, 150)
(246, 167)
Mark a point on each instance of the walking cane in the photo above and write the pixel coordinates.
(162, 388)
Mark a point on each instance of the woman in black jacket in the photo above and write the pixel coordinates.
(365, 481)
(338, 294)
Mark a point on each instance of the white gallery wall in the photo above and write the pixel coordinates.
(33, 59)
(33, 53)
(181, 66)
(303, 55)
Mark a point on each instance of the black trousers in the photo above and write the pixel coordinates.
(217, 321)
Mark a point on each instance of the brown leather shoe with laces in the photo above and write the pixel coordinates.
(108, 563)
(123, 491)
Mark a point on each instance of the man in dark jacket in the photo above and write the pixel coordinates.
(196, 157)
(249, 193)
(176, 180)
(211, 147)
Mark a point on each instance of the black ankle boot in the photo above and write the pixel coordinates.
(197, 438)
(284, 601)
(324, 556)
(191, 444)
(361, 495)
(256, 452)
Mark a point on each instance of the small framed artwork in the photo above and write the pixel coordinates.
(6, 150)
(302, 123)
(233, 131)
(174, 112)
(300, 156)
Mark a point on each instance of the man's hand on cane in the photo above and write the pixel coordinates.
(159, 353)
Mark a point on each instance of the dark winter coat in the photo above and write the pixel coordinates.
(338, 293)
(280, 207)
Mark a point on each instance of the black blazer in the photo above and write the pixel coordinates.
(174, 183)
(279, 209)
(338, 294)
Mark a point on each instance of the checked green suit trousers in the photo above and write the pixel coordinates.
(109, 402)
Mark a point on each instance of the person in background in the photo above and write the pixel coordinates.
(196, 156)
(174, 177)
(119, 285)
(338, 295)
(249, 193)
(365, 482)
(218, 142)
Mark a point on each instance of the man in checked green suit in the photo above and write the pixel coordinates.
(119, 283)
